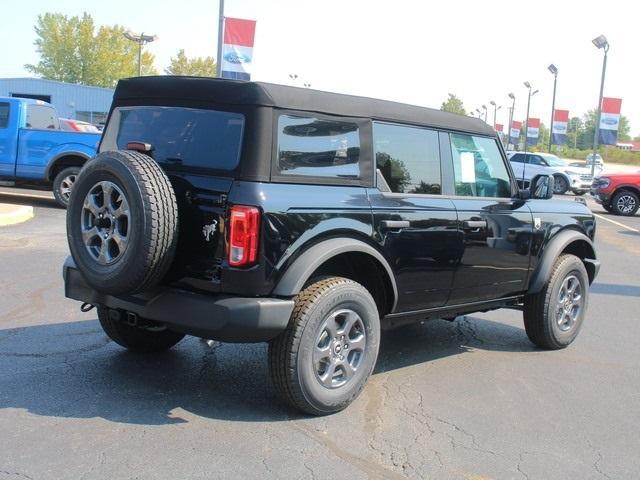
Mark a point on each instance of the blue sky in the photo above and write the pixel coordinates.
(410, 51)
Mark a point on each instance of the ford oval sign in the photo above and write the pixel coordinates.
(609, 121)
(234, 57)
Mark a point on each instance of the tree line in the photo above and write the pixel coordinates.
(580, 130)
(74, 50)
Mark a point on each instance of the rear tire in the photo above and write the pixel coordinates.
(321, 363)
(625, 202)
(553, 317)
(137, 339)
(63, 184)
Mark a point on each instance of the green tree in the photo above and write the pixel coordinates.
(197, 66)
(72, 50)
(454, 105)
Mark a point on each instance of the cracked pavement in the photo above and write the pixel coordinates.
(470, 399)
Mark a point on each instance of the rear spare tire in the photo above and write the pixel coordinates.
(122, 222)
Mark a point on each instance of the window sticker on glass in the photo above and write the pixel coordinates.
(468, 167)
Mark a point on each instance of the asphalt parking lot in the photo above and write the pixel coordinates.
(472, 399)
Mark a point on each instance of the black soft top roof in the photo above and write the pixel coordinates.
(233, 92)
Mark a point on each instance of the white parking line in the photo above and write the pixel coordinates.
(617, 223)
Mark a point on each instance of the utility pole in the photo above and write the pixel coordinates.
(220, 36)
(599, 42)
(554, 70)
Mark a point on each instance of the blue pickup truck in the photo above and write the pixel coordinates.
(33, 148)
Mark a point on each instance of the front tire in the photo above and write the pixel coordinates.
(134, 338)
(321, 363)
(560, 185)
(553, 317)
(63, 184)
(625, 203)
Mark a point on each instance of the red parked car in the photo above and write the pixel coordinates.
(618, 193)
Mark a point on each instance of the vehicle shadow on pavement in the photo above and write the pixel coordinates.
(71, 370)
(29, 201)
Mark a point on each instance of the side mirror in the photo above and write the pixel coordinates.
(541, 187)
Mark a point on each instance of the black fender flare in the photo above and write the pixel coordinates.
(52, 163)
(553, 250)
(303, 267)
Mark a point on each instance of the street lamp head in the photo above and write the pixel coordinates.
(141, 38)
(528, 85)
(148, 38)
(536, 91)
(492, 103)
(130, 36)
(553, 69)
(512, 96)
(498, 107)
(601, 42)
(484, 107)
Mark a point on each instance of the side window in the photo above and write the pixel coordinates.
(408, 158)
(42, 117)
(478, 167)
(537, 160)
(4, 115)
(517, 158)
(318, 147)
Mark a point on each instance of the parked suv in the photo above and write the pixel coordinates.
(576, 179)
(250, 212)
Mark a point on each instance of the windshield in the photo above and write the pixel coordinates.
(187, 137)
(554, 161)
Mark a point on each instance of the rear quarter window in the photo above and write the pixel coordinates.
(318, 147)
(187, 137)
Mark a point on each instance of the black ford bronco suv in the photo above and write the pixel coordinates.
(250, 212)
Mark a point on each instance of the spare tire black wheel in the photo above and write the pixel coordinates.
(122, 222)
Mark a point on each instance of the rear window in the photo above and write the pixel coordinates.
(185, 137)
(4, 115)
(318, 147)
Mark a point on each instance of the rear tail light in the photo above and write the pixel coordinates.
(244, 235)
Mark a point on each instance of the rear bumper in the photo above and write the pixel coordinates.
(219, 317)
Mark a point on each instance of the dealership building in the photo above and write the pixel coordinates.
(82, 102)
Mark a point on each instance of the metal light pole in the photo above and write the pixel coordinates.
(511, 110)
(484, 107)
(220, 36)
(495, 111)
(526, 124)
(554, 70)
(141, 40)
(599, 42)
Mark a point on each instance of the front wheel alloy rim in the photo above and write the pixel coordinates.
(339, 349)
(105, 223)
(569, 304)
(66, 185)
(560, 185)
(626, 203)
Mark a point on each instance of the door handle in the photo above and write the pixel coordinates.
(394, 224)
(472, 224)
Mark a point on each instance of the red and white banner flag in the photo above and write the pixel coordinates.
(560, 127)
(237, 49)
(499, 127)
(610, 120)
(514, 132)
(533, 131)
